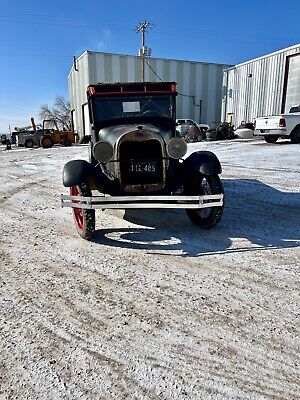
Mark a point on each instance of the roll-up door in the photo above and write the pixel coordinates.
(292, 95)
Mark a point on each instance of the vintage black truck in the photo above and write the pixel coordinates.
(136, 159)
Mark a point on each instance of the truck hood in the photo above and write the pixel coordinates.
(113, 134)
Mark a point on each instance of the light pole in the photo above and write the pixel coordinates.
(144, 51)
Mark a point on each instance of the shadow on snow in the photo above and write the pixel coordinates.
(254, 212)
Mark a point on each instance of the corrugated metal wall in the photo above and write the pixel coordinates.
(77, 80)
(255, 88)
(201, 80)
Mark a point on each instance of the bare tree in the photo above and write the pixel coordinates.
(59, 112)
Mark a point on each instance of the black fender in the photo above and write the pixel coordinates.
(205, 162)
(76, 172)
(79, 171)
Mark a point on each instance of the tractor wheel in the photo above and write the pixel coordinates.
(84, 219)
(46, 142)
(200, 184)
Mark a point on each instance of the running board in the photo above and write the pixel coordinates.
(103, 202)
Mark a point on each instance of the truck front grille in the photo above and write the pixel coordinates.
(141, 162)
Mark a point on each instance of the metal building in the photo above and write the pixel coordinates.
(264, 86)
(199, 83)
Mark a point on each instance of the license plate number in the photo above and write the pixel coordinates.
(142, 167)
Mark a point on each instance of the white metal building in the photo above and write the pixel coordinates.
(199, 83)
(264, 86)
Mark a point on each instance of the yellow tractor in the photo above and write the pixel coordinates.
(52, 135)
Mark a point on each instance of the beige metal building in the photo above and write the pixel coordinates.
(199, 83)
(264, 86)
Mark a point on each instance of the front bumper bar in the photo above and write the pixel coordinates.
(103, 202)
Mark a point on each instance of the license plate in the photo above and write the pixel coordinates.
(143, 167)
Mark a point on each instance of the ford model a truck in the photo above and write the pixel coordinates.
(136, 159)
(280, 126)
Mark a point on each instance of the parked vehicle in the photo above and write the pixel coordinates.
(53, 135)
(136, 159)
(286, 126)
(47, 136)
(28, 138)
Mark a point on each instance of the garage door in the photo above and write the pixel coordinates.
(86, 119)
(293, 83)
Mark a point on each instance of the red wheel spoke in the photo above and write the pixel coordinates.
(77, 212)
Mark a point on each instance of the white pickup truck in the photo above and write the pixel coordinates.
(279, 126)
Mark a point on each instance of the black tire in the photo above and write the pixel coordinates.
(29, 144)
(92, 159)
(85, 220)
(211, 135)
(46, 142)
(201, 136)
(271, 138)
(199, 184)
(85, 139)
(68, 143)
(221, 134)
(295, 136)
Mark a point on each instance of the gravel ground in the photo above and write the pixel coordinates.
(153, 308)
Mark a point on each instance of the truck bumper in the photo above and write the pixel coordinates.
(274, 132)
(122, 202)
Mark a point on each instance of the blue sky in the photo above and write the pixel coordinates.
(39, 39)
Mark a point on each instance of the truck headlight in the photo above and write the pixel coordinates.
(176, 148)
(103, 151)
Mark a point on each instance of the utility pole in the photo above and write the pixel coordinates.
(144, 51)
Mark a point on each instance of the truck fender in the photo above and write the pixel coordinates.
(79, 171)
(205, 162)
(76, 172)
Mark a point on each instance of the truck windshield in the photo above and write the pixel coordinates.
(109, 108)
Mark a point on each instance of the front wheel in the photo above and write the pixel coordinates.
(200, 184)
(29, 144)
(84, 219)
(271, 138)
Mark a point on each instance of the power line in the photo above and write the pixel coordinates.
(35, 55)
(180, 94)
(210, 34)
(153, 71)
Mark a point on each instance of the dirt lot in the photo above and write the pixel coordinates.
(153, 308)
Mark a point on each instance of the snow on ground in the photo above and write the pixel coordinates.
(153, 308)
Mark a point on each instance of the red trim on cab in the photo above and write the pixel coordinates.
(129, 93)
